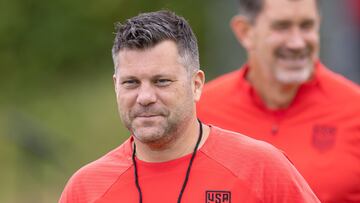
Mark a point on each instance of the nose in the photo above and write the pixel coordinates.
(296, 40)
(146, 95)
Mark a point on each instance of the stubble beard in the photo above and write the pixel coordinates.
(155, 134)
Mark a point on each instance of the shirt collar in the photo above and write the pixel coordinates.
(247, 88)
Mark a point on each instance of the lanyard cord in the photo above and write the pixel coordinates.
(187, 171)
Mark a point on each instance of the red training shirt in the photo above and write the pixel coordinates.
(229, 167)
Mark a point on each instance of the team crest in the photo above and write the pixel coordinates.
(323, 137)
(218, 196)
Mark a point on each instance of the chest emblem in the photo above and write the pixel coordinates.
(323, 137)
(213, 196)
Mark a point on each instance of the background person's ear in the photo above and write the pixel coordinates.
(241, 28)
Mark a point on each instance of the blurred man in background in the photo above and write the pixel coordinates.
(284, 95)
(171, 156)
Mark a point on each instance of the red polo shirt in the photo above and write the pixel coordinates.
(319, 131)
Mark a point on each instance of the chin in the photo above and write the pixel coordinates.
(148, 134)
(294, 76)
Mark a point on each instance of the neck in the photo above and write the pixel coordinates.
(274, 94)
(180, 144)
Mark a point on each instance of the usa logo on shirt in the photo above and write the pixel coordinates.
(323, 137)
(213, 196)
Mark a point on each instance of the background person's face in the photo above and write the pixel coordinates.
(285, 40)
(154, 92)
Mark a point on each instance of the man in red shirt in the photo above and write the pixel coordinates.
(171, 156)
(285, 96)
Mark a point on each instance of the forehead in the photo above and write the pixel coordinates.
(162, 58)
(290, 9)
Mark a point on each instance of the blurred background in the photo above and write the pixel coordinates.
(57, 103)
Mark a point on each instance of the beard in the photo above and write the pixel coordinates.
(155, 125)
(293, 66)
(297, 76)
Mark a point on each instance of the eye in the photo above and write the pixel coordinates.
(162, 82)
(307, 25)
(131, 83)
(281, 25)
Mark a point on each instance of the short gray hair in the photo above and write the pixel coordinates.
(149, 29)
(252, 8)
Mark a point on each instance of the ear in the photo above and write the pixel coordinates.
(242, 28)
(198, 84)
(115, 83)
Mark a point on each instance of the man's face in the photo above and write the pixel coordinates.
(154, 92)
(284, 40)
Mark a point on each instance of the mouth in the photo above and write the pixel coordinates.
(294, 58)
(147, 115)
(294, 62)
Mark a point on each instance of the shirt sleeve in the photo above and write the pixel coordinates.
(71, 192)
(284, 183)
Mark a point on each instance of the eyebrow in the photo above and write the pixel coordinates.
(126, 77)
(162, 75)
(289, 22)
(281, 22)
(155, 76)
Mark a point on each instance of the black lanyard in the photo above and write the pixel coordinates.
(187, 171)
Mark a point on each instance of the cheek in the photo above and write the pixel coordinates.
(125, 100)
(313, 40)
(266, 42)
(176, 96)
(170, 98)
(274, 41)
(265, 50)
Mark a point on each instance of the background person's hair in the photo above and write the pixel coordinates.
(252, 8)
(149, 29)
